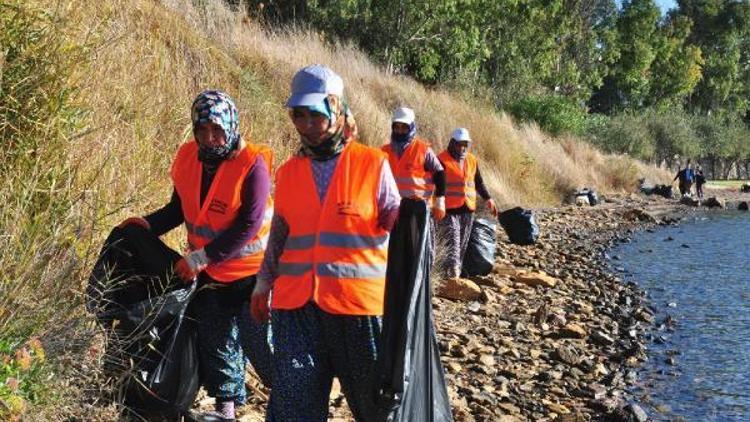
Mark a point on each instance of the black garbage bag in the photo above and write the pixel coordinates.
(593, 197)
(520, 225)
(480, 253)
(663, 190)
(411, 382)
(151, 348)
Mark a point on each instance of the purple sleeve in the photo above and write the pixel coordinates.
(167, 217)
(269, 268)
(389, 200)
(431, 162)
(434, 166)
(480, 186)
(255, 190)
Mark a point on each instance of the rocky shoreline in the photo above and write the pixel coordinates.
(553, 332)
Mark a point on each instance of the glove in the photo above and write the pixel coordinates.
(438, 208)
(259, 301)
(491, 205)
(191, 264)
(138, 221)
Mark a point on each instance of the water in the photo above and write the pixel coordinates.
(705, 286)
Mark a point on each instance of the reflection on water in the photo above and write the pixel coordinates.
(698, 273)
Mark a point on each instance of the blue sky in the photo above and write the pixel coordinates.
(666, 5)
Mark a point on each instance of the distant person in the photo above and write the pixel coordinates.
(700, 180)
(685, 177)
(463, 183)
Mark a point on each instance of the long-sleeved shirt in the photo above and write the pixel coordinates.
(255, 190)
(481, 189)
(388, 201)
(431, 165)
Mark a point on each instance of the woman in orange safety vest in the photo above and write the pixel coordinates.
(463, 182)
(222, 194)
(336, 201)
(418, 172)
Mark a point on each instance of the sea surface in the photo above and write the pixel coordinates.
(698, 274)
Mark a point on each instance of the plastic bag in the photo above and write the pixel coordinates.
(520, 225)
(151, 345)
(411, 382)
(480, 253)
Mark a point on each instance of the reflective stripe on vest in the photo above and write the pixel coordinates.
(335, 254)
(206, 222)
(459, 181)
(412, 179)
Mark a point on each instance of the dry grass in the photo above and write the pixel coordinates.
(146, 60)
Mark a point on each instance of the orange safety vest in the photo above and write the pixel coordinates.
(335, 253)
(459, 182)
(412, 179)
(206, 223)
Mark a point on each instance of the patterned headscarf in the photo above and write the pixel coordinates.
(216, 107)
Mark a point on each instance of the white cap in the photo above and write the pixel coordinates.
(461, 134)
(403, 115)
(312, 84)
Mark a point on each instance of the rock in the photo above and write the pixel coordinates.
(487, 360)
(637, 413)
(745, 187)
(743, 206)
(714, 202)
(566, 354)
(556, 408)
(460, 289)
(534, 278)
(602, 338)
(639, 215)
(692, 202)
(573, 331)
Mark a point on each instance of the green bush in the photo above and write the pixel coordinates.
(673, 135)
(623, 134)
(553, 113)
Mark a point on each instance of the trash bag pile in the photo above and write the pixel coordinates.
(151, 339)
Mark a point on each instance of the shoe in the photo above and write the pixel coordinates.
(212, 416)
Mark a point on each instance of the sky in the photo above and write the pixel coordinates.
(665, 5)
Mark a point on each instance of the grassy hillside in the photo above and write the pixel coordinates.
(94, 102)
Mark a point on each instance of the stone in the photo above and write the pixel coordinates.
(460, 289)
(602, 338)
(637, 412)
(536, 278)
(573, 331)
(566, 354)
(743, 206)
(714, 202)
(639, 215)
(691, 202)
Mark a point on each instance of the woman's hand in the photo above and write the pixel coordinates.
(259, 301)
(191, 265)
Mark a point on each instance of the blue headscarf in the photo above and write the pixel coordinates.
(216, 107)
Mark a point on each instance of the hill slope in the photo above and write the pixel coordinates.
(117, 79)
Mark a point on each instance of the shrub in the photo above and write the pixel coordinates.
(553, 113)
